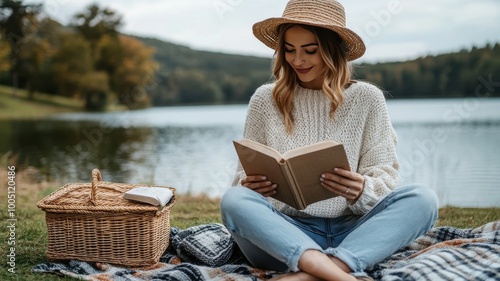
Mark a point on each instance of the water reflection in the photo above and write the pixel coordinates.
(69, 150)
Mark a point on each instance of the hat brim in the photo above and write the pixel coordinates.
(267, 32)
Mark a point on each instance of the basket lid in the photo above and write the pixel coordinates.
(97, 196)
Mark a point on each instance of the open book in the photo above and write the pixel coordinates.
(297, 171)
(157, 196)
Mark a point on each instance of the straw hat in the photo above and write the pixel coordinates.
(327, 14)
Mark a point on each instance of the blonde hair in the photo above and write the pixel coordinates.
(337, 75)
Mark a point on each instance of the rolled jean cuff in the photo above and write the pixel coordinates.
(348, 258)
(293, 261)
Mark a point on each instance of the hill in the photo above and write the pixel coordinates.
(191, 76)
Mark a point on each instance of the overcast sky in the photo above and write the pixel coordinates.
(392, 29)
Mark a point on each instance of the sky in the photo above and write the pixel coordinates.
(393, 30)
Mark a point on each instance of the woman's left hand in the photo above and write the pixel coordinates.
(344, 183)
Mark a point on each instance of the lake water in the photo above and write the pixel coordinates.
(452, 145)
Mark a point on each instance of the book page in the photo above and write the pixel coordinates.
(307, 170)
(260, 148)
(258, 162)
(309, 148)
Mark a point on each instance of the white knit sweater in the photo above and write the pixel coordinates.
(361, 124)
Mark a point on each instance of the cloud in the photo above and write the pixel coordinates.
(427, 27)
(407, 28)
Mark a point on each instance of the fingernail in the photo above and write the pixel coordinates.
(264, 178)
(336, 170)
(323, 175)
(275, 185)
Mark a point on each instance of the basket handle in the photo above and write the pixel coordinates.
(96, 177)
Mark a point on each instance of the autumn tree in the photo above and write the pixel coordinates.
(109, 56)
(16, 24)
(135, 74)
(127, 62)
(73, 66)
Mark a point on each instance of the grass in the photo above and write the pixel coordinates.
(42, 105)
(467, 217)
(31, 234)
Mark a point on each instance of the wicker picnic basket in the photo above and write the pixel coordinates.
(92, 222)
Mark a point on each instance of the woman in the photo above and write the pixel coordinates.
(315, 99)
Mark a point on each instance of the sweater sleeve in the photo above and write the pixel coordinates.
(378, 162)
(253, 124)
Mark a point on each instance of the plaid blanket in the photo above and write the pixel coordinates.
(207, 252)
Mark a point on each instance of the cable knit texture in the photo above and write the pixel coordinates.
(361, 124)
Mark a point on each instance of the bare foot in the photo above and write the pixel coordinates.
(295, 276)
(317, 264)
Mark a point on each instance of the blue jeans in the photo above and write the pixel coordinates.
(272, 240)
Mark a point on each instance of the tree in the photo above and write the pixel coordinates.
(135, 73)
(51, 34)
(32, 54)
(71, 64)
(16, 22)
(109, 56)
(99, 27)
(4, 55)
(193, 86)
(95, 89)
(95, 23)
(75, 76)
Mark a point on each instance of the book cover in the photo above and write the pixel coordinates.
(157, 196)
(297, 171)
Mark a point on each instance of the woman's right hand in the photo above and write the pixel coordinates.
(259, 184)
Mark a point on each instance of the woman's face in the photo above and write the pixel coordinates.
(302, 53)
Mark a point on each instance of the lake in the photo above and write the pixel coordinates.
(451, 145)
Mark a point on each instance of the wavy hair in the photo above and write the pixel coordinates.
(336, 76)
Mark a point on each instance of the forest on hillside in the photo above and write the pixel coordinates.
(191, 76)
(91, 60)
(466, 73)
